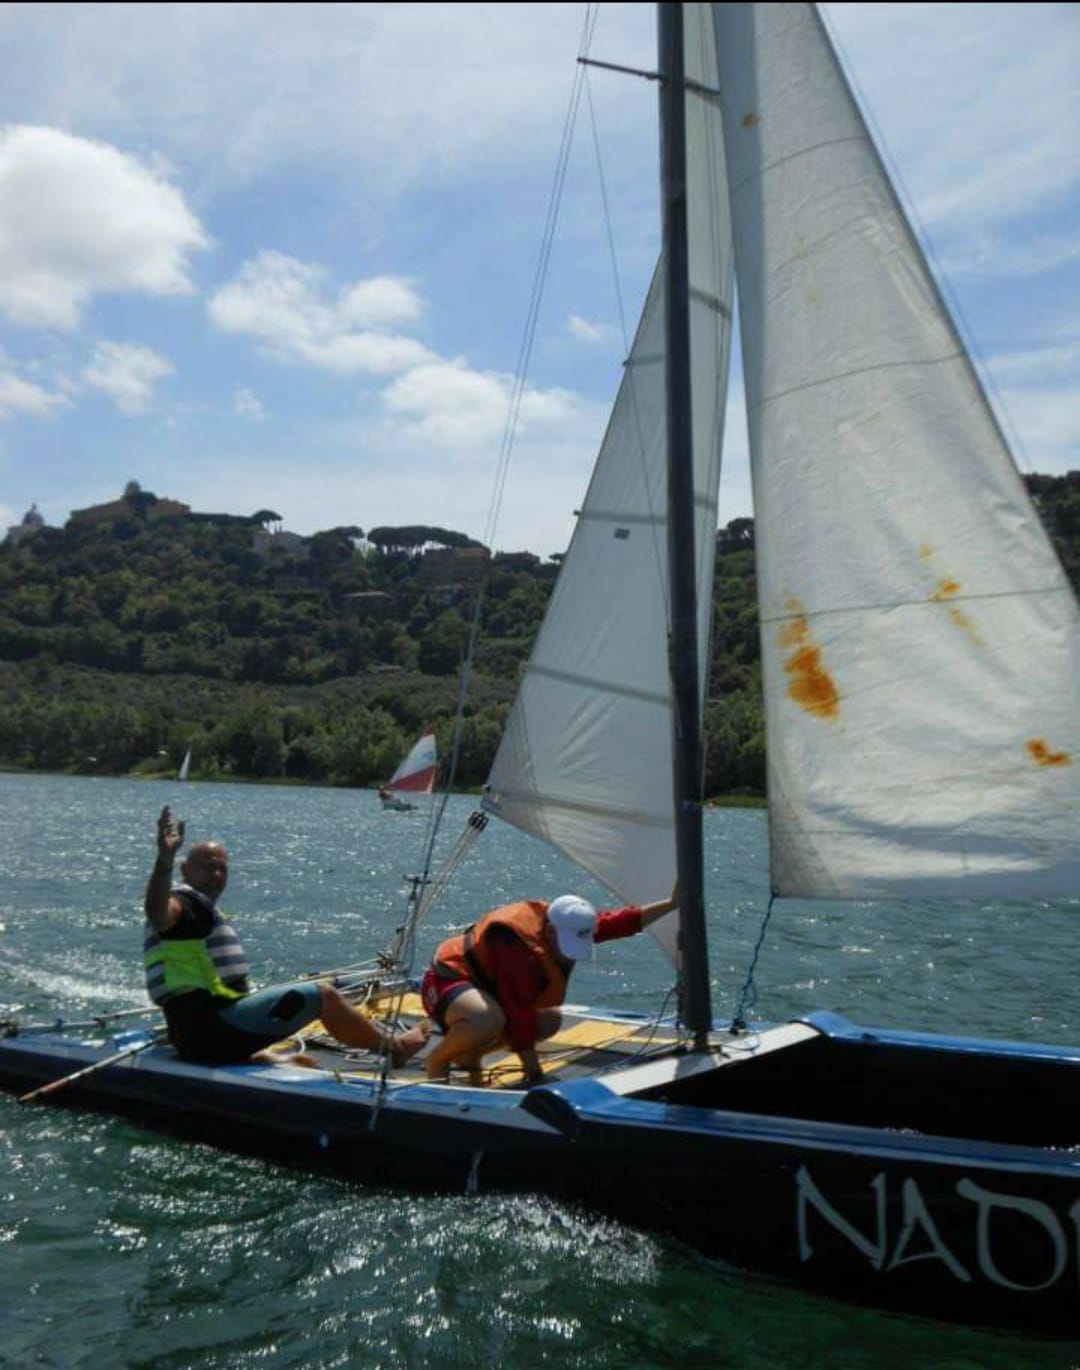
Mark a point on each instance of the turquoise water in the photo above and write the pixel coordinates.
(122, 1248)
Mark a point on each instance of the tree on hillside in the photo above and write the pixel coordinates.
(440, 649)
(413, 537)
(738, 536)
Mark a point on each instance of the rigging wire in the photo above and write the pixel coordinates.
(748, 994)
(720, 250)
(417, 905)
(425, 890)
(540, 279)
(630, 370)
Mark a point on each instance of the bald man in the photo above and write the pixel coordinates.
(196, 970)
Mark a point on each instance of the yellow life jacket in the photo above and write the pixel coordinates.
(177, 965)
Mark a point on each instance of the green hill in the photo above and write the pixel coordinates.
(136, 632)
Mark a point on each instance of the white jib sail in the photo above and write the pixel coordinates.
(921, 644)
(416, 774)
(586, 759)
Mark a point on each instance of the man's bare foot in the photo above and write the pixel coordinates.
(269, 1057)
(409, 1043)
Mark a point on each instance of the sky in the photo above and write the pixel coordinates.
(282, 256)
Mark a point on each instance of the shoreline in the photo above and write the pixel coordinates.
(718, 801)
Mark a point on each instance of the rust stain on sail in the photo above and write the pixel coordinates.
(749, 120)
(810, 685)
(948, 589)
(1043, 756)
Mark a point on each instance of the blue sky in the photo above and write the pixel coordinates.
(281, 255)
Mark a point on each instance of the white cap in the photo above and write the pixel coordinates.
(574, 921)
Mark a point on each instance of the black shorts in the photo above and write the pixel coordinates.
(216, 1031)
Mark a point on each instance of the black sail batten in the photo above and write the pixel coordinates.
(695, 1000)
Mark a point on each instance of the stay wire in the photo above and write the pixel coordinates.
(540, 279)
(407, 936)
(628, 344)
(748, 994)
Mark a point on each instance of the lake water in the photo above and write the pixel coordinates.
(119, 1247)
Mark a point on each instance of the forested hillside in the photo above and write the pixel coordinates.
(125, 641)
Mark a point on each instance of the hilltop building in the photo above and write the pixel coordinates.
(32, 521)
(133, 503)
(516, 561)
(454, 566)
(288, 546)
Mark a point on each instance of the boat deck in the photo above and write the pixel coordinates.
(587, 1043)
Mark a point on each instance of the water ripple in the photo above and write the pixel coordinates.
(122, 1248)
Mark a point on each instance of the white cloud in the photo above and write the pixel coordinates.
(81, 218)
(984, 119)
(1044, 364)
(1015, 253)
(450, 405)
(402, 89)
(247, 405)
(1037, 395)
(601, 333)
(1044, 425)
(379, 302)
(24, 397)
(404, 93)
(376, 354)
(128, 373)
(293, 308)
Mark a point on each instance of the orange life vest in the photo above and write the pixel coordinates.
(468, 955)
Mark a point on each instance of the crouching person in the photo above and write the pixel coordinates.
(501, 982)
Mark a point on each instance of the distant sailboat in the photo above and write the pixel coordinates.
(185, 766)
(415, 775)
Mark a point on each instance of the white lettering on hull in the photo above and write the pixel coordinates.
(919, 1238)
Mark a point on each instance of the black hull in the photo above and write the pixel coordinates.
(856, 1202)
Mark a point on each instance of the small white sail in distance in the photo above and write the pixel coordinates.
(416, 774)
(185, 766)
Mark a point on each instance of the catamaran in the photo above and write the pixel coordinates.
(921, 650)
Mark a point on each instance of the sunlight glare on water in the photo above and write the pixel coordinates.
(119, 1247)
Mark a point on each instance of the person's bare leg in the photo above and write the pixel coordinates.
(474, 1024)
(355, 1029)
(473, 1066)
(548, 1023)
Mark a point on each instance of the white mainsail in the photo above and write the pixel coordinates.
(185, 766)
(586, 759)
(921, 644)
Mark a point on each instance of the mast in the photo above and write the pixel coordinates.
(695, 1003)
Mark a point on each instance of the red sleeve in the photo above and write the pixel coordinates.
(518, 982)
(614, 923)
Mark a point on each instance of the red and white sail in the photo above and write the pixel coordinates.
(416, 774)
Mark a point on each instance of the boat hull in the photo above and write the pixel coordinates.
(984, 1232)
